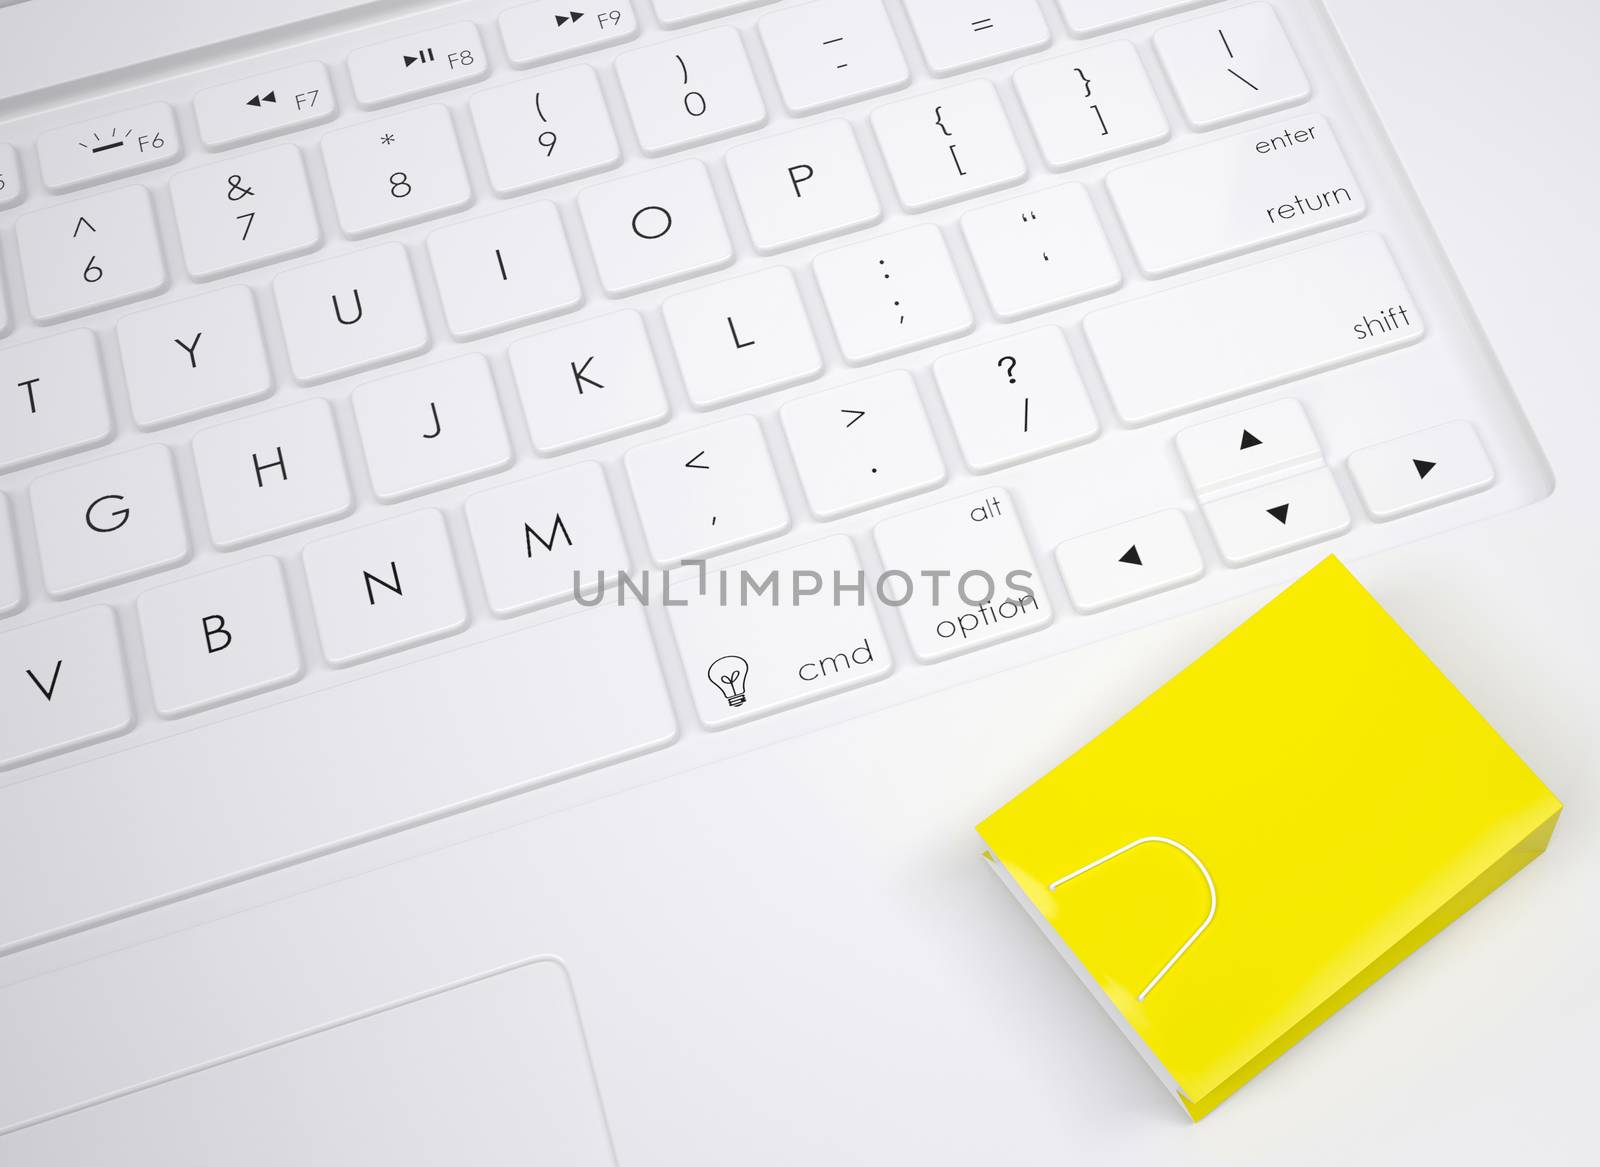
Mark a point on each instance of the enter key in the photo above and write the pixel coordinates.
(1235, 194)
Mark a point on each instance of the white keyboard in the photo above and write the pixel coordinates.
(382, 342)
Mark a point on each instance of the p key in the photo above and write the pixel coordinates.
(62, 685)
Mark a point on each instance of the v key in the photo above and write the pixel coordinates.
(50, 690)
(74, 693)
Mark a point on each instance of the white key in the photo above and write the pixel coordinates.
(1015, 398)
(674, 13)
(690, 90)
(245, 212)
(1085, 17)
(1281, 516)
(1409, 474)
(52, 398)
(1253, 327)
(104, 522)
(350, 313)
(809, 184)
(1091, 105)
(272, 473)
(5, 310)
(428, 428)
(830, 52)
(1129, 561)
(539, 539)
(863, 444)
(892, 294)
(588, 382)
(384, 588)
(417, 63)
(83, 256)
(746, 336)
(62, 685)
(1235, 195)
(549, 129)
(504, 270)
(707, 490)
(953, 39)
(10, 566)
(11, 188)
(1232, 65)
(947, 145)
(655, 227)
(973, 580)
(113, 145)
(1234, 449)
(792, 643)
(219, 637)
(193, 357)
(1040, 251)
(395, 170)
(265, 105)
(547, 31)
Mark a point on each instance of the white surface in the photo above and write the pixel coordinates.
(742, 337)
(127, 142)
(83, 256)
(64, 685)
(1392, 483)
(350, 313)
(947, 145)
(655, 227)
(1040, 250)
(1090, 105)
(224, 230)
(11, 188)
(1090, 16)
(1253, 442)
(427, 61)
(1129, 561)
(689, 90)
(503, 270)
(952, 38)
(545, 130)
(893, 293)
(395, 170)
(583, 383)
(57, 401)
(1247, 529)
(192, 357)
(830, 52)
(533, 37)
(11, 595)
(286, 99)
(809, 184)
(675, 12)
(1397, 1077)
(1232, 65)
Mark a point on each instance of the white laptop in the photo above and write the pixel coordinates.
(528, 531)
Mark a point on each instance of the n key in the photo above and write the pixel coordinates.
(62, 685)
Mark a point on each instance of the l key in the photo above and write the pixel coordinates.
(62, 685)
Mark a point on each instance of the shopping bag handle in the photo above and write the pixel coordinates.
(1193, 858)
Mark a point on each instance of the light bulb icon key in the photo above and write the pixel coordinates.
(728, 674)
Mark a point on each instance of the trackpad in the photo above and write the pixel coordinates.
(490, 1071)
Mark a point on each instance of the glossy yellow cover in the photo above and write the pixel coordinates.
(1269, 832)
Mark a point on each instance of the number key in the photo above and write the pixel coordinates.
(690, 90)
(244, 212)
(543, 131)
(396, 170)
(82, 256)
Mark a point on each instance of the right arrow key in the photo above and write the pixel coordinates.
(1281, 516)
(1421, 470)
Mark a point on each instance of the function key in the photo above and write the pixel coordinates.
(264, 105)
(552, 29)
(410, 66)
(109, 146)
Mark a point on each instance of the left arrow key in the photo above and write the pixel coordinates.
(109, 146)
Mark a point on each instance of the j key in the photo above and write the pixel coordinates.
(809, 184)
(655, 227)
(503, 270)
(111, 146)
(863, 444)
(82, 256)
(428, 428)
(350, 313)
(690, 90)
(588, 382)
(973, 580)
(949, 144)
(52, 398)
(1262, 441)
(193, 357)
(746, 336)
(395, 170)
(271, 473)
(953, 39)
(383, 588)
(549, 129)
(1129, 561)
(830, 52)
(62, 685)
(535, 537)
(892, 294)
(1233, 65)
(267, 104)
(1091, 105)
(1412, 473)
(219, 637)
(535, 33)
(745, 658)
(1015, 398)
(103, 522)
(707, 490)
(1090, 16)
(244, 212)
(1040, 251)
(417, 63)
(10, 566)
(1281, 516)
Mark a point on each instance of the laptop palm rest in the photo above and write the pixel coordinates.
(494, 1070)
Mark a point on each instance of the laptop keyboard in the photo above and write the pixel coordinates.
(760, 278)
